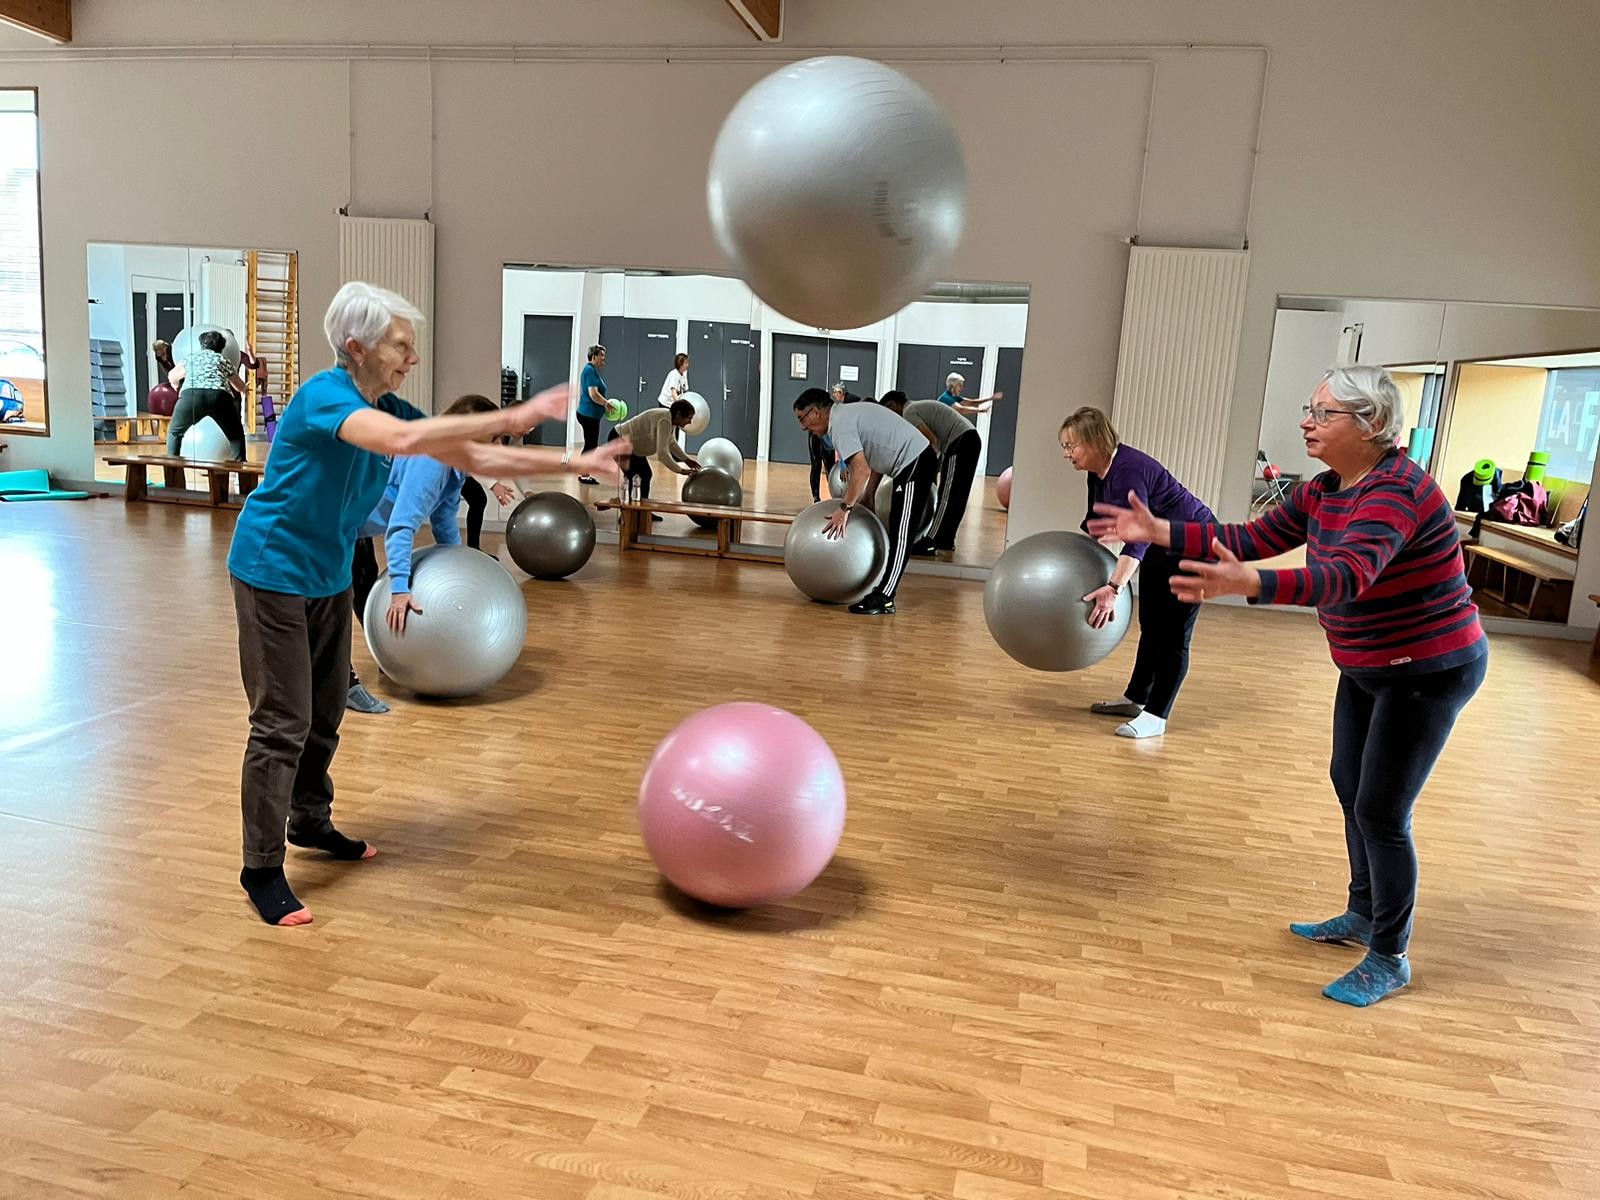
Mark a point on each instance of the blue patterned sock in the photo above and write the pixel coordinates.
(1346, 927)
(1370, 980)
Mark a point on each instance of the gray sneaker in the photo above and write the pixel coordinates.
(358, 699)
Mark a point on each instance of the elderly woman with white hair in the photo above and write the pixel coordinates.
(290, 563)
(954, 384)
(1384, 572)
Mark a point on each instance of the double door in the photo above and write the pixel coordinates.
(801, 361)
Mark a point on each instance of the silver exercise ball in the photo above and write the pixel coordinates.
(702, 414)
(838, 187)
(550, 535)
(722, 455)
(186, 344)
(922, 521)
(835, 571)
(836, 481)
(712, 486)
(1034, 607)
(205, 442)
(467, 636)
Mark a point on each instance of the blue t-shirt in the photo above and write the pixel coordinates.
(298, 529)
(590, 379)
(946, 398)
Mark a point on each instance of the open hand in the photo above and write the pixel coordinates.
(833, 527)
(399, 605)
(602, 462)
(1201, 581)
(1105, 606)
(548, 405)
(1133, 524)
(503, 492)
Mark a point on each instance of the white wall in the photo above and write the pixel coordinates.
(1303, 346)
(1072, 148)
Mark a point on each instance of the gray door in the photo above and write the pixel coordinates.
(917, 371)
(546, 361)
(854, 358)
(1003, 414)
(722, 360)
(788, 440)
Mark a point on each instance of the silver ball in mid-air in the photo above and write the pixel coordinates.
(1034, 606)
(838, 186)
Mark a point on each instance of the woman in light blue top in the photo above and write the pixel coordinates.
(290, 565)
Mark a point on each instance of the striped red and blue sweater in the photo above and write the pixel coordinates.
(1383, 567)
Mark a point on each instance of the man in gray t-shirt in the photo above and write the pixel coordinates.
(872, 440)
(959, 447)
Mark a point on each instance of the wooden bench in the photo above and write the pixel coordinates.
(175, 492)
(635, 522)
(129, 428)
(1538, 592)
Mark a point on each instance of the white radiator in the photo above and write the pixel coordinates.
(398, 255)
(222, 300)
(1180, 347)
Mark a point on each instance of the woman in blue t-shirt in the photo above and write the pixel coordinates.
(291, 555)
(1166, 624)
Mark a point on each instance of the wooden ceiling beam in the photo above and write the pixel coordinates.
(764, 18)
(47, 18)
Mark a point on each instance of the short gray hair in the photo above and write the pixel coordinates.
(1373, 397)
(364, 311)
(953, 377)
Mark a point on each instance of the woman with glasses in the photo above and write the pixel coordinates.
(1385, 573)
(1166, 623)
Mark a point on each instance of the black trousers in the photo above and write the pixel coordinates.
(294, 657)
(1388, 732)
(638, 468)
(591, 431)
(823, 457)
(1166, 624)
(477, 501)
(195, 405)
(913, 488)
(956, 470)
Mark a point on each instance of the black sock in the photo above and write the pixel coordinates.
(269, 892)
(330, 839)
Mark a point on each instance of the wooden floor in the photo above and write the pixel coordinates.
(771, 487)
(1046, 962)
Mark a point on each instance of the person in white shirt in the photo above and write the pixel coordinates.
(676, 382)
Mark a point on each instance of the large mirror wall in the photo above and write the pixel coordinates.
(750, 363)
(1495, 394)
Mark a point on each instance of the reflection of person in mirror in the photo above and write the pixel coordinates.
(207, 389)
(654, 435)
(676, 382)
(959, 446)
(161, 350)
(1166, 624)
(954, 384)
(1384, 572)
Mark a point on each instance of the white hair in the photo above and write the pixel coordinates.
(364, 311)
(954, 378)
(1373, 398)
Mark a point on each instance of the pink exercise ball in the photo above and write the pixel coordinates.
(1002, 488)
(163, 398)
(742, 804)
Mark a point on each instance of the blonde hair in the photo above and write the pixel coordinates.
(1091, 427)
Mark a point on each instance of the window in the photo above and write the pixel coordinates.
(1569, 422)
(23, 406)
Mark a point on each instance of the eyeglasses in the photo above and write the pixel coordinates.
(1069, 447)
(1321, 414)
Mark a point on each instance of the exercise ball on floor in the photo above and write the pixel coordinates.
(742, 804)
(702, 414)
(1002, 489)
(1034, 606)
(550, 535)
(838, 187)
(921, 520)
(470, 630)
(204, 441)
(836, 481)
(722, 455)
(712, 486)
(835, 570)
(163, 398)
(186, 344)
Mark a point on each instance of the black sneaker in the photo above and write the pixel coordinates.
(874, 604)
(587, 479)
(923, 549)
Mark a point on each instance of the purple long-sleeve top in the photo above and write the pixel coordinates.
(1135, 471)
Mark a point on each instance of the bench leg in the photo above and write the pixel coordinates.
(217, 485)
(247, 484)
(174, 477)
(724, 534)
(138, 485)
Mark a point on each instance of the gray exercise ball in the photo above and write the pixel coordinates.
(723, 455)
(712, 486)
(550, 535)
(702, 414)
(186, 344)
(921, 521)
(835, 570)
(836, 481)
(470, 630)
(838, 187)
(1034, 606)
